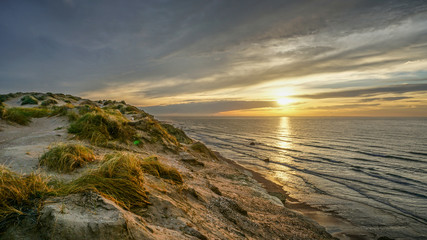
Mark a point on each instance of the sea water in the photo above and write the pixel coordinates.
(370, 171)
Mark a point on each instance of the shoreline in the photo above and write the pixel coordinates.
(335, 225)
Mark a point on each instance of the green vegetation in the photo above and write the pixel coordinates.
(5, 97)
(100, 128)
(2, 110)
(65, 110)
(119, 178)
(201, 148)
(29, 99)
(83, 109)
(49, 102)
(67, 157)
(20, 194)
(156, 132)
(23, 116)
(153, 167)
(177, 133)
(88, 102)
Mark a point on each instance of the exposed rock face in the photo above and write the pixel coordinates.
(89, 216)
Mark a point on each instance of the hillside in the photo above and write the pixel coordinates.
(73, 168)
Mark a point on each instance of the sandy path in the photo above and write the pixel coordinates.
(21, 146)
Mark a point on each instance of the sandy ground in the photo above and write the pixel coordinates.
(21, 146)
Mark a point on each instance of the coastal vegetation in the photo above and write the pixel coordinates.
(99, 127)
(120, 178)
(20, 194)
(23, 116)
(66, 158)
(29, 99)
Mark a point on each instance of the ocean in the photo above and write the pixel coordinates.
(369, 171)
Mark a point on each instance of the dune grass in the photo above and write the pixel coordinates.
(177, 133)
(65, 110)
(20, 194)
(29, 99)
(2, 110)
(23, 116)
(49, 102)
(152, 166)
(119, 178)
(66, 158)
(201, 148)
(99, 128)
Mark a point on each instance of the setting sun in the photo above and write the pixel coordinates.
(284, 101)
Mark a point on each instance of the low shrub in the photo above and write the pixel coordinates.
(66, 158)
(29, 99)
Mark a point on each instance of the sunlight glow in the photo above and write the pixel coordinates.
(284, 101)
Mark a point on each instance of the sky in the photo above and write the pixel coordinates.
(222, 57)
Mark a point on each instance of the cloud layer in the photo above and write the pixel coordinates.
(174, 52)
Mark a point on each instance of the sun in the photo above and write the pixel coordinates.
(284, 101)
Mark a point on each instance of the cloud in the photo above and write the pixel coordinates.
(395, 89)
(152, 50)
(386, 99)
(205, 108)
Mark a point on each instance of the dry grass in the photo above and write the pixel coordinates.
(2, 110)
(20, 194)
(119, 178)
(49, 102)
(23, 116)
(201, 148)
(177, 133)
(65, 110)
(99, 128)
(66, 158)
(153, 167)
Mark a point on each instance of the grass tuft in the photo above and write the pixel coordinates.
(49, 102)
(66, 158)
(153, 167)
(20, 194)
(2, 110)
(29, 99)
(99, 128)
(201, 148)
(65, 111)
(119, 178)
(23, 116)
(177, 133)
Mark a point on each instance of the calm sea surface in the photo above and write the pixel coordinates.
(371, 171)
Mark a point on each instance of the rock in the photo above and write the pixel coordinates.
(266, 159)
(190, 159)
(215, 189)
(89, 216)
(252, 144)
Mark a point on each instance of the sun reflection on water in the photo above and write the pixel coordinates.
(284, 134)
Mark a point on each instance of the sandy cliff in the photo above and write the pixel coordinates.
(107, 170)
